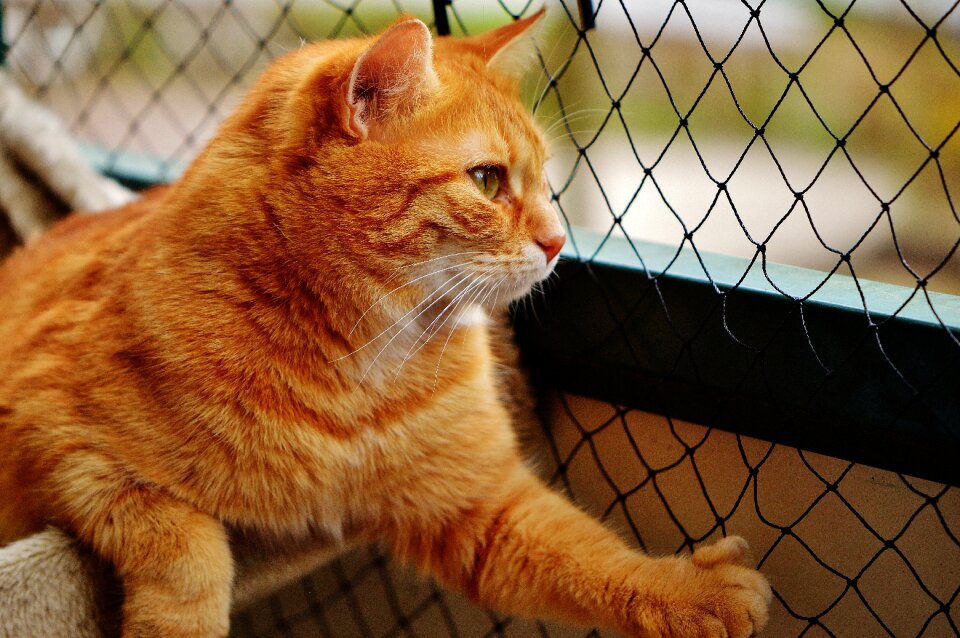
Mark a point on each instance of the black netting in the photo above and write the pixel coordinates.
(812, 133)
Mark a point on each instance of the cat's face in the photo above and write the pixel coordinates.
(432, 166)
(486, 205)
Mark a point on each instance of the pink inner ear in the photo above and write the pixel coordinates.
(391, 75)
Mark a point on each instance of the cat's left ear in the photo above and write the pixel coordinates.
(391, 76)
(510, 50)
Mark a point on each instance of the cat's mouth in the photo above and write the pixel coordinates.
(502, 281)
(459, 281)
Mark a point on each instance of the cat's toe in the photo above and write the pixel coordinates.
(730, 550)
(742, 601)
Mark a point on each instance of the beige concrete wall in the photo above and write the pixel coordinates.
(815, 542)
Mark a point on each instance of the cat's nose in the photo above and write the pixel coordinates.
(551, 244)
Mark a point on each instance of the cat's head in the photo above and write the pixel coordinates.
(414, 160)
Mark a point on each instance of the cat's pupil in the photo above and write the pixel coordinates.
(487, 180)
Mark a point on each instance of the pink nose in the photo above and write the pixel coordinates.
(551, 245)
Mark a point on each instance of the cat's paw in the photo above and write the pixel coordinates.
(711, 595)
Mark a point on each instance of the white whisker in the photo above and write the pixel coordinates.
(408, 324)
(570, 118)
(396, 272)
(496, 297)
(492, 289)
(452, 307)
(436, 376)
(401, 318)
(412, 281)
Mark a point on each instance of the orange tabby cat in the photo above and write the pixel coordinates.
(288, 343)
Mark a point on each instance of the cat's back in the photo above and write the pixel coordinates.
(69, 264)
(60, 294)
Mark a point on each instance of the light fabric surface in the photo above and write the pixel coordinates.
(42, 173)
(50, 586)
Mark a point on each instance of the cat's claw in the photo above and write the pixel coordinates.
(710, 595)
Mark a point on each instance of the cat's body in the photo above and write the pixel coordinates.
(227, 354)
(158, 410)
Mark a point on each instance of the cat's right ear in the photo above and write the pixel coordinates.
(511, 49)
(390, 77)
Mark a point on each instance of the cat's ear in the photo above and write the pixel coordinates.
(511, 49)
(390, 77)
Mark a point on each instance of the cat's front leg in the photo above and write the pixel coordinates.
(174, 561)
(529, 551)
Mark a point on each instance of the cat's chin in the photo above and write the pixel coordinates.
(525, 284)
(512, 291)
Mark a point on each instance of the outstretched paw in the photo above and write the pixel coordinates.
(710, 595)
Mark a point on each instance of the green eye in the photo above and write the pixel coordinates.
(487, 180)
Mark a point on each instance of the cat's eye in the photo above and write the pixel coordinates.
(487, 180)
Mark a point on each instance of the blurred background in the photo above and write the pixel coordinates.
(812, 129)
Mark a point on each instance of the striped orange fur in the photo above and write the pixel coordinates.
(289, 343)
